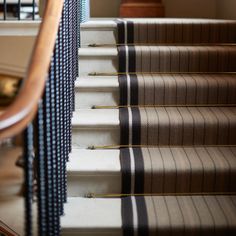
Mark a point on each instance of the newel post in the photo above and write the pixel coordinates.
(142, 8)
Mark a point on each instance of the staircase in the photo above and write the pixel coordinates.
(154, 129)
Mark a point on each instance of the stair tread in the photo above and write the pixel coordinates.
(185, 170)
(110, 117)
(113, 215)
(98, 82)
(110, 23)
(98, 52)
(104, 161)
(178, 126)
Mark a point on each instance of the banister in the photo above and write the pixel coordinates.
(16, 117)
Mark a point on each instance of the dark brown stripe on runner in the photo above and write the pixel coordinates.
(136, 126)
(124, 126)
(120, 31)
(132, 59)
(122, 59)
(125, 170)
(130, 32)
(142, 216)
(123, 90)
(139, 171)
(127, 217)
(134, 90)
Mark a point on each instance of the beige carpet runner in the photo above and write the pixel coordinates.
(177, 89)
(178, 126)
(151, 59)
(175, 31)
(178, 170)
(179, 215)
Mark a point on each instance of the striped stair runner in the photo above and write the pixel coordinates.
(178, 126)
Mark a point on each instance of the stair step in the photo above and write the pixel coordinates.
(98, 60)
(93, 171)
(178, 126)
(168, 89)
(189, 126)
(98, 32)
(92, 217)
(156, 170)
(95, 127)
(154, 59)
(106, 32)
(96, 91)
(150, 215)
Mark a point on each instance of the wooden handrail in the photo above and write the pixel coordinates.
(22, 111)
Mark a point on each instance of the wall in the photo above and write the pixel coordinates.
(190, 8)
(226, 9)
(174, 8)
(104, 8)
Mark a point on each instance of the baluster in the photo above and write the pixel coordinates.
(4, 10)
(64, 93)
(53, 147)
(41, 181)
(48, 157)
(70, 78)
(77, 36)
(60, 112)
(19, 9)
(33, 10)
(28, 175)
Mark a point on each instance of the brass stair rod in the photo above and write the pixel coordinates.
(159, 73)
(153, 106)
(153, 146)
(158, 44)
(94, 195)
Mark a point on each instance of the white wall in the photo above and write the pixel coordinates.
(226, 9)
(174, 8)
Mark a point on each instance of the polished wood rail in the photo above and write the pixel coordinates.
(22, 111)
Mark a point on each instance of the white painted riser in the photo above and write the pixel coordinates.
(95, 128)
(93, 171)
(92, 217)
(98, 32)
(97, 60)
(96, 91)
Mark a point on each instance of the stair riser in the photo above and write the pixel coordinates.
(175, 59)
(91, 217)
(98, 36)
(87, 137)
(81, 185)
(102, 64)
(95, 97)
